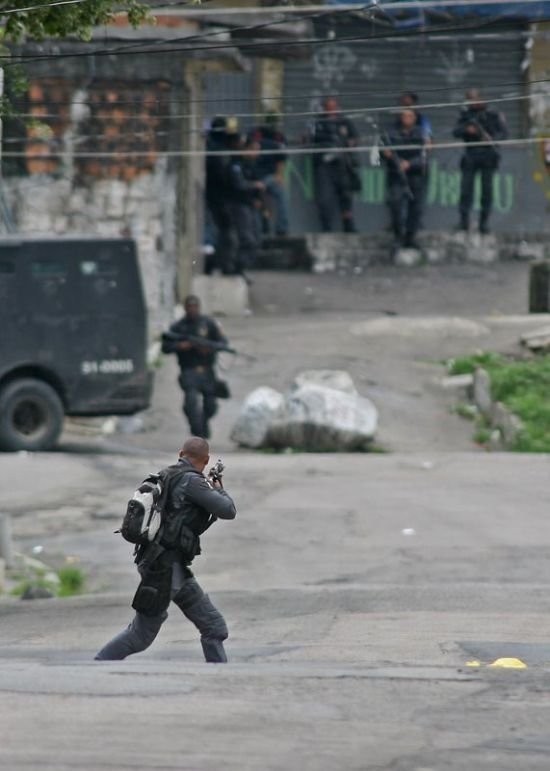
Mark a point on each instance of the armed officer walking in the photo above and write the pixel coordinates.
(193, 503)
(196, 340)
(405, 178)
(477, 124)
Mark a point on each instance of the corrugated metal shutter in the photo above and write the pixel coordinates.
(229, 93)
(373, 74)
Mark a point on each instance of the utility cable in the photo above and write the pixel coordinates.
(243, 46)
(341, 95)
(43, 7)
(524, 141)
(356, 111)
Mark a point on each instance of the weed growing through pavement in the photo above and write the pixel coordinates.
(523, 386)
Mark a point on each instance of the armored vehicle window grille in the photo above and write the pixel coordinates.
(97, 268)
(48, 269)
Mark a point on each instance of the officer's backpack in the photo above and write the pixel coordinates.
(143, 519)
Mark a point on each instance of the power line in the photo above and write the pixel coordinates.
(42, 7)
(295, 97)
(245, 28)
(394, 5)
(394, 34)
(204, 35)
(523, 141)
(356, 111)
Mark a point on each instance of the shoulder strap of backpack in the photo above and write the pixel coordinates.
(168, 475)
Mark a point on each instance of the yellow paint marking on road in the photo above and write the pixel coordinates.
(473, 663)
(508, 663)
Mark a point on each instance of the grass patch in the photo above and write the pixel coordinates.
(482, 436)
(466, 365)
(27, 583)
(523, 386)
(465, 410)
(71, 582)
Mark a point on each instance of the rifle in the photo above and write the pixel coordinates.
(483, 132)
(396, 166)
(169, 340)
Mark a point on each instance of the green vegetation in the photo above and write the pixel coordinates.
(523, 386)
(40, 20)
(70, 581)
(22, 586)
(465, 365)
(465, 410)
(482, 435)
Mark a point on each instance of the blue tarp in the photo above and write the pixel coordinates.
(524, 11)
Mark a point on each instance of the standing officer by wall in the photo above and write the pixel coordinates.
(405, 178)
(219, 137)
(243, 192)
(336, 176)
(196, 340)
(478, 124)
(271, 168)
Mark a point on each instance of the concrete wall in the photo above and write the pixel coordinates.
(89, 160)
(143, 208)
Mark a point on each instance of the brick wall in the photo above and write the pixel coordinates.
(110, 117)
(135, 194)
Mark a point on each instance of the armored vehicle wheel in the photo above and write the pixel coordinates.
(31, 415)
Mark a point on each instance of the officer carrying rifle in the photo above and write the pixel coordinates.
(480, 128)
(189, 503)
(406, 177)
(196, 341)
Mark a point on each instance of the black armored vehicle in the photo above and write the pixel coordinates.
(73, 335)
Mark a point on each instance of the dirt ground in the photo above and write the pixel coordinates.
(390, 328)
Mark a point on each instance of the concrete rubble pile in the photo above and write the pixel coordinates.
(321, 412)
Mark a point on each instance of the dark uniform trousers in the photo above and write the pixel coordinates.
(406, 212)
(471, 164)
(244, 218)
(226, 238)
(193, 603)
(332, 186)
(199, 404)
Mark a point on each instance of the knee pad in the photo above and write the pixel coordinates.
(198, 608)
(189, 594)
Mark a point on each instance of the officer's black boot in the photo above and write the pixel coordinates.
(348, 225)
(214, 652)
(484, 225)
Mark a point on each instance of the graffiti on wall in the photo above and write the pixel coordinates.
(443, 185)
(521, 192)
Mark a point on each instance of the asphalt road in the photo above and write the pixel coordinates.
(358, 588)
